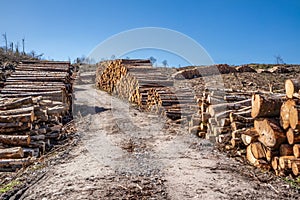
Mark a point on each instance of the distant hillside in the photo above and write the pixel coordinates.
(13, 57)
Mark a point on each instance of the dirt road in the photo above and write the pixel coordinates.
(124, 153)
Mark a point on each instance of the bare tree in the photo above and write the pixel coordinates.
(165, 63)
(33, 54)
(23, 45)
(152, 60)
(11, 45)
(279, 60)
(5, 40)
(17, 48)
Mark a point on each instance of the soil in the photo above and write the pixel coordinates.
(120, 152)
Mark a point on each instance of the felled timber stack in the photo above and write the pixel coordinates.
(194, 72)
(135, 80)
(150, 88)
(5, 70)
(35, 104)
(221, 111)
(274, 140)
(49, 79)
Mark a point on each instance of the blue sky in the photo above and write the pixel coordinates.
(231, 31)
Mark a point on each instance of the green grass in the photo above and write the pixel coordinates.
(9, 186)
(295, 183)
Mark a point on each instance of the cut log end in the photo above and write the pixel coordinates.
(291, 86)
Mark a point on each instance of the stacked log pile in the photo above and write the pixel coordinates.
(5, 70)
(193, 72)
(35, 104)
(221, 111)
(150, 88)
(273, 141)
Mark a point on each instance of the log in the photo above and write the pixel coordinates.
(244, 113)
(17, 111)
(19, 163)
(31, 152)
(284, 161)
(205, 116)
(249, 136)
(214, 109)
(203, 126)
(224, 122)
(224, 138)
(296, 167)
(275, 162)
(23, 127)
(236, 117)
(222, 115)
(258, 150)
(286, 150)
(237, 133)
(27, 117)
(16, 103)
(294, 117)
(270, 133)
(292, 86)
(270, 154)
(292, 137)
(263, 106)
(220, 130)
(235, 142)
(296, 150)
(238, 125)
(254, 161)
(285, 113)
(15, 152)
(17, 140)
(234, 98)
